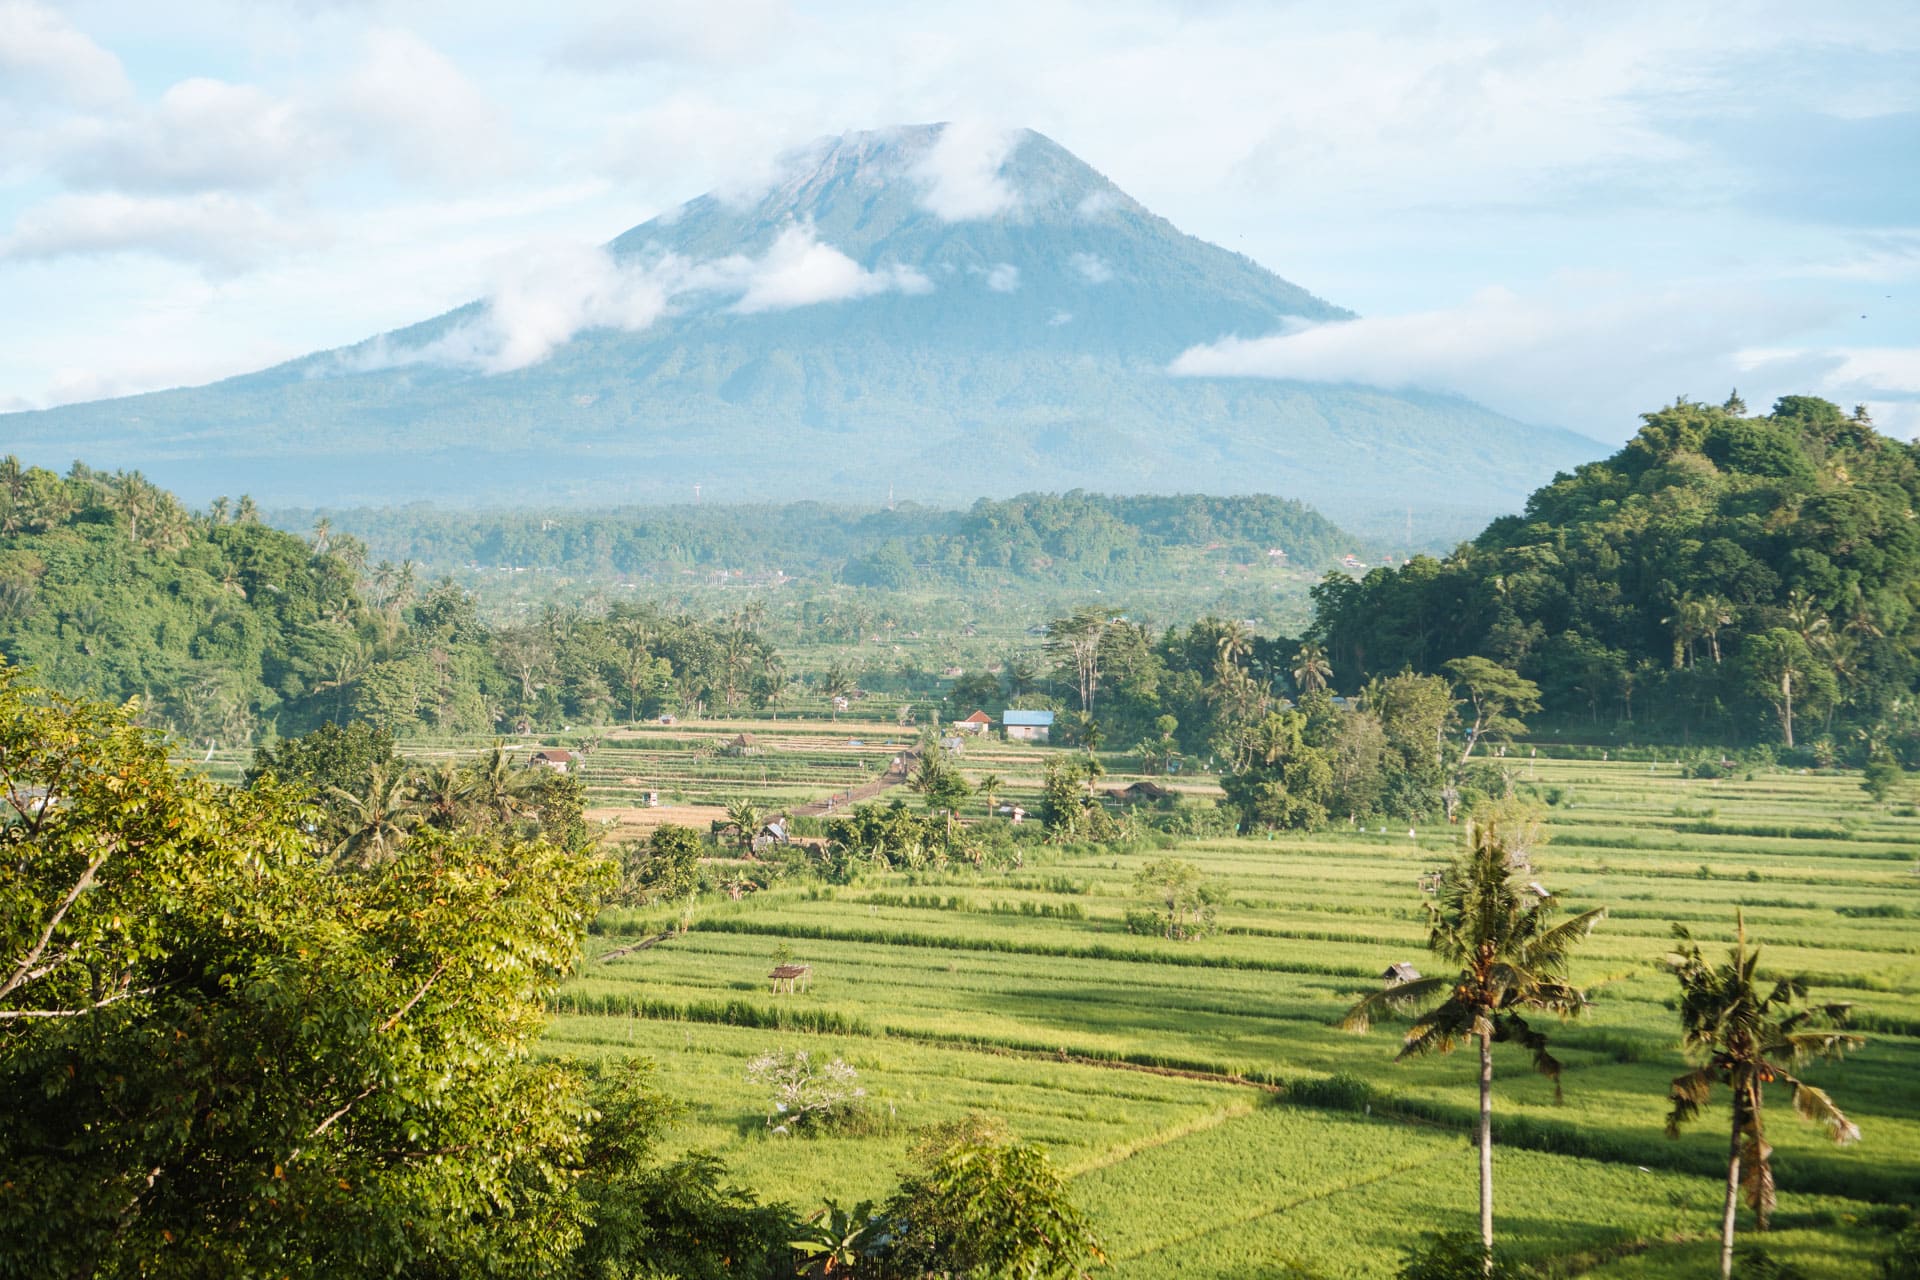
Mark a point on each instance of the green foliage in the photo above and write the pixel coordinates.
(1717, 571)
(646, 1215)
(663, 867)
(1882, 777)
(1901, 1261)
(1175, 900)
(1457, 1255)
(807, 1097)
(982, 1205)
(227, 1056)
(893, 836)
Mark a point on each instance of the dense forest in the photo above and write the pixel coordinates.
(1057, 538)
(1723, 577)
(229, 630)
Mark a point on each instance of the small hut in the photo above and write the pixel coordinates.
(556, 759)
(789, 978)
(741, 744)
(1399, 974)
(1143, 793)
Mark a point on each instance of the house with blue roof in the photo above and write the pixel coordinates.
(1027, 726)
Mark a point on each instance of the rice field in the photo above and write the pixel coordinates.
(1218, 1123)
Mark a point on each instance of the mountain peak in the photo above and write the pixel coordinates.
(961, 310)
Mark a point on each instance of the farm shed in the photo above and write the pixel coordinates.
(556, 759)
(1400, 973)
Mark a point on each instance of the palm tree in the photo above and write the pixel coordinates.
(1510, 955)
(1233, 645)
(744, 819)
(1745, 1041)
(988, 789)
(441, 794)
(497, 789)
(1311, 671)
(378, 819)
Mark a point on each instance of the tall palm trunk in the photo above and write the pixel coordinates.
(1733, 1194)
(1486, 1148)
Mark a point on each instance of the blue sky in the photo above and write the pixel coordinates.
(1569, 212)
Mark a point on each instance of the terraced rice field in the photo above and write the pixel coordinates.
(1185, 1084)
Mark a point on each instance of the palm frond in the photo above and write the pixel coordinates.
(1688, 1093)
(1400, 999)
(1815, 1106)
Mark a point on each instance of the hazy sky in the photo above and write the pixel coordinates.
(1569, 212)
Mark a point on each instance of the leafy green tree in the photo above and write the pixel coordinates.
(1311, 671)
(1175, 900)
(1281, 781)
(1882, 776)
(980, 1203)
(646, 1215)
(1745, 1037)
(988, 788)
(664, 866)
(225, 1057)
(1510, 955)
(1497, 696)
(1781, 670)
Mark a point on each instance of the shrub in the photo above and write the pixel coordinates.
(805, 1097)
(1457, 1255)
(1174, 900)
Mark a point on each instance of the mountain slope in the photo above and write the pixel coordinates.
(869, 320)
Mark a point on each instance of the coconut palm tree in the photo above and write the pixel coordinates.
(498, 790)
(377, 819)
(441, 794)
(1311, 671)
(1509, 955)
(1746, 1040)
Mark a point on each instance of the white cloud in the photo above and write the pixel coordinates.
(410, 99)
(1059, 318)
(1003, 277)
(798, 270)
(542, 298)
(218, 232)
(1096, 205)
(960, 172)
(42, 53)
(1556, 356)
(1092, 267)
(202, 134)
(540, 301)
(1885, 379)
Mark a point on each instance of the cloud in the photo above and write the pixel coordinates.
(960, 172)
(1003, 277)
(201, 135)
(43, 54)
(1092, 267)
(543, 298)
(1059, 318)
(215, 231)
(798, 271)
(1885, 379)
(1556, 356)
(411, 100)
(1096, 205)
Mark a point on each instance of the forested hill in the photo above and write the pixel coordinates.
(1721, 575)
(1061, 539)
(228, 629)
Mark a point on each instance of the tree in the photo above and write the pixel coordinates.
(744, 819)
(1745, 1038)
(377, 817)
(1511, 957)
(501, 794)
(664, 866)
(224, 1055)
(939, 783)
(1176, 900)
(1074, 643)
(1497, 696)
(1311, 671)
(1882, 776)
(1780, 668)
(988, 789)
(980, 1203)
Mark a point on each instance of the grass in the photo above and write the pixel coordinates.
(1187, 1084)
